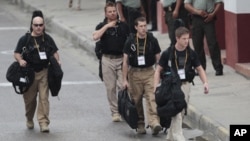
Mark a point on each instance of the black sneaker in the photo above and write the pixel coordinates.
(219, 73)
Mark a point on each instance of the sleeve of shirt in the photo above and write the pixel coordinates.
(163, 62)
(99, 26)
(127, 46)
(52, 44)
(157, 46)
(196, 62)
(20, 44)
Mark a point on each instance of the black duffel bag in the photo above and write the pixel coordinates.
(20, 77)
(127, 109)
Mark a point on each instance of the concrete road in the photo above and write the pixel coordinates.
(81, 111)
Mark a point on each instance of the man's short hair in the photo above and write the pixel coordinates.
(109, 4)
(180, 31)
(140, 19)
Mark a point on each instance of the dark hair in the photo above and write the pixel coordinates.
(36, 13)
(109, 4)
(140, 19)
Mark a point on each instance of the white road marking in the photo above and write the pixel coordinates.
(14, 28)
(8, 84)
(7, 52)
(80, 82)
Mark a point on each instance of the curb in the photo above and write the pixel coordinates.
(79, 40)
(212, 130)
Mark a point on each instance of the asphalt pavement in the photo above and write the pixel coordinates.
(213, 113)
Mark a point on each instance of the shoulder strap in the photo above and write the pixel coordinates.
(132, 36)
(170, 55)
(27, 39)
(28, 36)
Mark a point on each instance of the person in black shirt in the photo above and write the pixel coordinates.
(182, 60)
(34, 49)
(141, 53)
(112, 34)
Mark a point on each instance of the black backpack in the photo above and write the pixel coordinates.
(169, 98)
(20, 77)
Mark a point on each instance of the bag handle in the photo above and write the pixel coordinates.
(21, 91)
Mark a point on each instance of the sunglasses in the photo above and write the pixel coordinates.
(36, 25)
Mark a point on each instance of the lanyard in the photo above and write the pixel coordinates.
(36, 45)
(144, 45)
(176, 60)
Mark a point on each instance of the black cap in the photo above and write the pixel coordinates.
(36, 13)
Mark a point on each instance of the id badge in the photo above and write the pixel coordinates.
(141, 60)
(169, 63)
(42, 55)
(181, 73)
(22, 79)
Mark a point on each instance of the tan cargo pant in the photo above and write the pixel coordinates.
(175, 132)
(141, 85)
(112, 78)
(40, 85)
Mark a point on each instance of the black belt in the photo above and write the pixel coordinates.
(38, 69)
(171, 7)
(113, 56)
(200, 17)
(141, 69)
(168, 9)
(128, 7)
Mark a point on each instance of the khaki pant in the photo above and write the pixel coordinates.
(112, 77)
(141, 85)
(40, 85)
(175, 132)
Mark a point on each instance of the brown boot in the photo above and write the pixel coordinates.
(30, 124)
(116, 117)
(44, 128)
(156, 129)
(141, 129)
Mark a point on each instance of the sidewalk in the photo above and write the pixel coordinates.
(212, 113)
